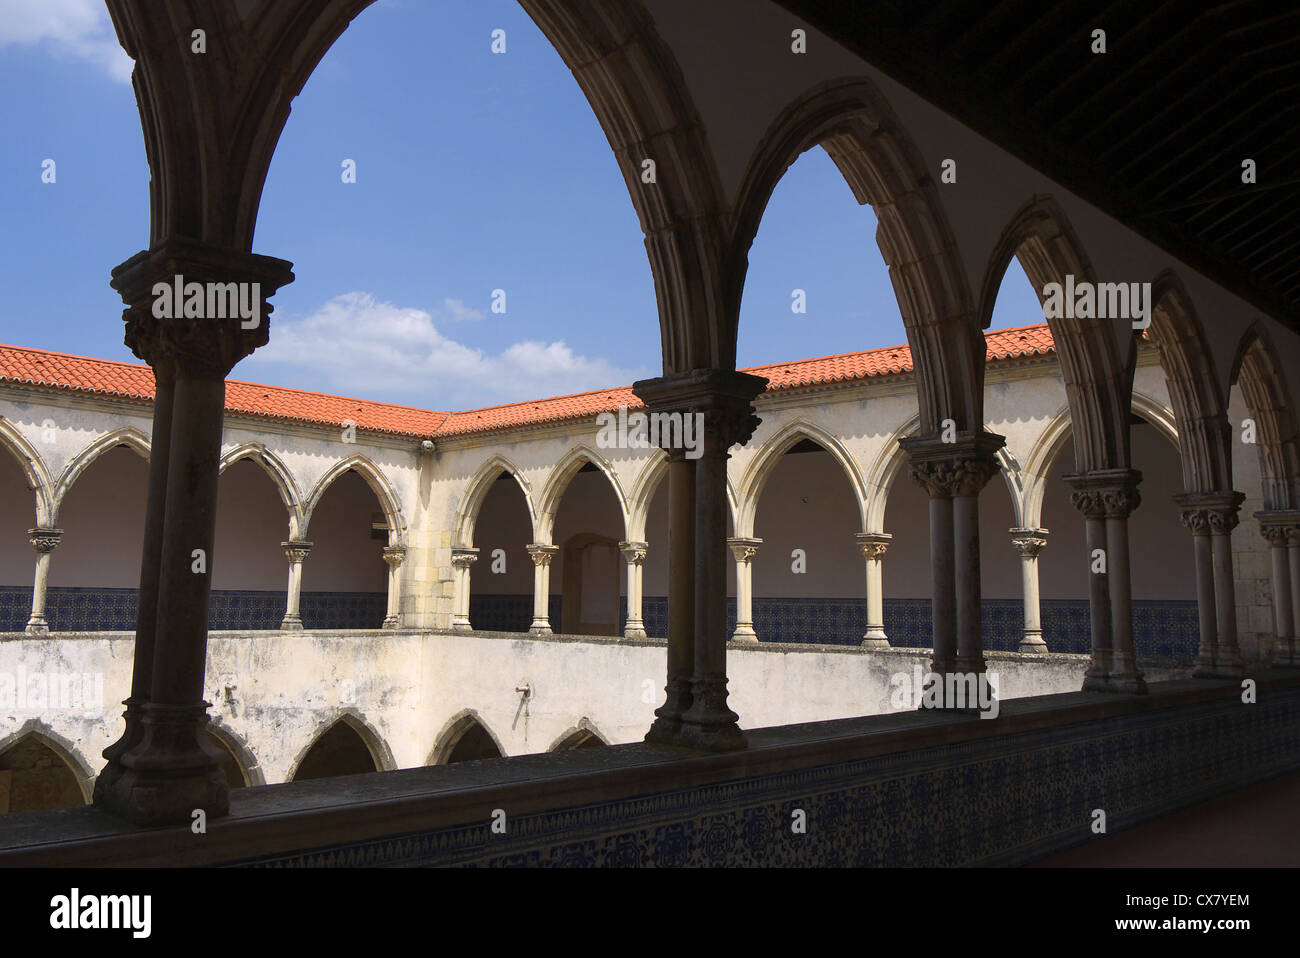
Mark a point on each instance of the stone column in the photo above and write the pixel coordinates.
(1284, 641)
(146, 618)
(952, 474)
(1107, 497)
(716, 410)
(1029, 543)
(1293, 566)
(542, 555)
(395, 555)
(1211, 517)
(1197, 522)
(667, 725)
(1224, 517)
(44, 541)
(634, 554)
(169, 768)
(873, 546)
(744, 551)
(296, 551)
(462, 564)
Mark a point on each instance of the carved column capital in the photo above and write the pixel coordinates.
(634, 552)
(1281, 527)
(1028, 543)
(394, 555)
(45, 540)
(1106, 493)
(959, 468)
(296, 550)
(542, 554)
(1210, 513)
(744, 549)
(722, 397)
(183, 305)
(463, 558)
(873, 544)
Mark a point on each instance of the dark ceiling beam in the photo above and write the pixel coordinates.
(1210, 120)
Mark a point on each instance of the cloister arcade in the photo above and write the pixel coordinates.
(1043, 491)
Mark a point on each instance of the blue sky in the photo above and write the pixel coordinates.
(475, 172)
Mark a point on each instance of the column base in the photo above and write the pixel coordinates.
(462, 626)
(392, 622)
(1285, 654)
(1033, 643)
(635, 629)
(1219, 667)
(875, 638)
(171, 771)
(667, 726)
(37, 625)
(540, 627)
(709, 725)
(744, 633)
(292, 622)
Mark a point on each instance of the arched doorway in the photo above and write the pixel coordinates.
(501, 580)
(807, 572)
(589, 585)
(339, 751)
(94, 576)
(345, 578)
(35, 777)
(248, 563)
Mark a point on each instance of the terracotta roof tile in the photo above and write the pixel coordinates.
(891, 360)
(133, 381)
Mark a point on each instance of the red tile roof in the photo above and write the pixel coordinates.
(107, 377)
(891, 360)
(132, 381)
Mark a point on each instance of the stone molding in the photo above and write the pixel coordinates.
(45, 540)
(296, 550)
(1028, 543)
(1106, 493)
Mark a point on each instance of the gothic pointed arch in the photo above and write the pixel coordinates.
(548, 502)
(374, 478)
(643, 493)
(34, 470)
(476, 491)
(750, 488)
(353, 720)
(880, 478)
(280, 475)
(856, 126)
(37, 732)
(239, 751)
(582, 735)
(456, 728)
(1060, 430)
(1097, 363)
(640, 97)
(1205, 437)
(1258, 370)
(128, 436)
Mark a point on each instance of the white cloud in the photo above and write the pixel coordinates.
(459, 310)
(78, 28)
(358, 346)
